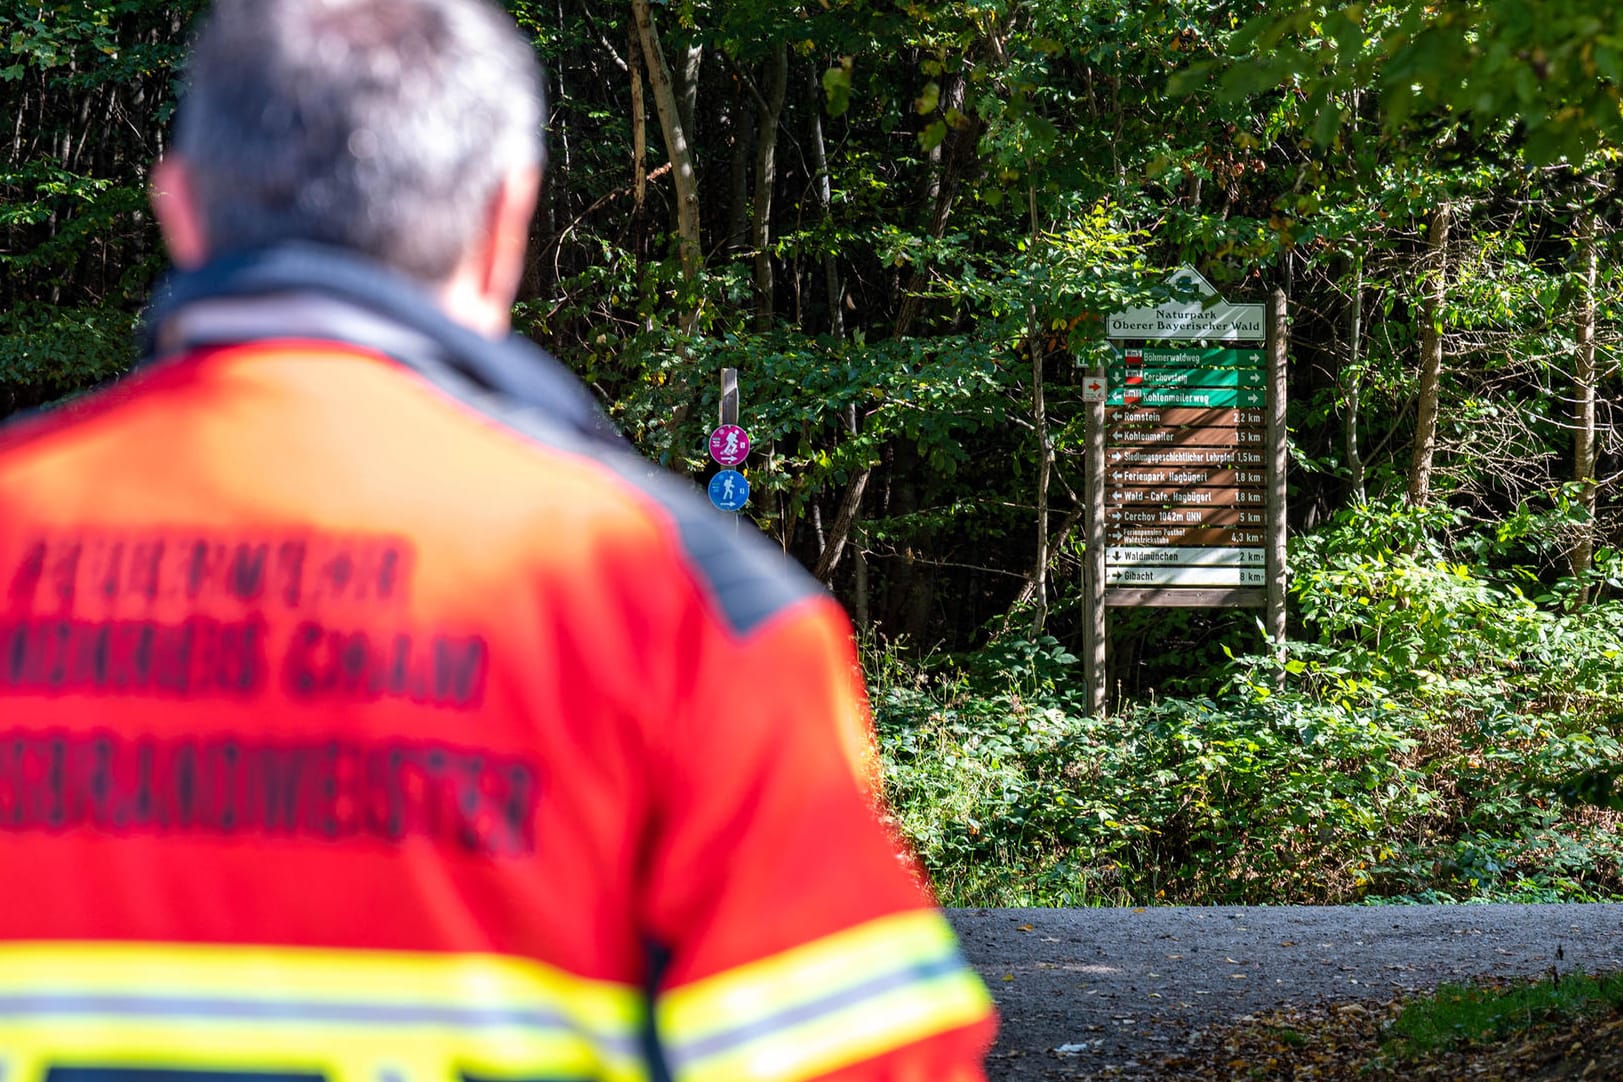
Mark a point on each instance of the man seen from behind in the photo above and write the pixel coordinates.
(368, 711)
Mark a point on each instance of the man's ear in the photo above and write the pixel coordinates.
(480, 291)
(179, 220)
(510, 212)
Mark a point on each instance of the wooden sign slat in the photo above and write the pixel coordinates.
(1184, 456)
(1135, 435)
(1185, 597)
(1184, 535)
(1165, 496)
(1184, 516)
(1172, 416)
(1183, 476)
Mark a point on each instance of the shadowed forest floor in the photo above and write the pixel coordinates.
(1276, 992)
(1345, 1043)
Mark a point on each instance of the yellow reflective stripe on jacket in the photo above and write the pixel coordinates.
(834, 1002)
(353, 1016)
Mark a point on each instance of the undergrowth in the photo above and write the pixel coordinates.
(1462, 1014)
(1410, 748)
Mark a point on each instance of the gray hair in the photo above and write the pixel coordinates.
(379, 126)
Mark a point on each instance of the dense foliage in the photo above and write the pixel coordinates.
(1417, 748)
(902, 222)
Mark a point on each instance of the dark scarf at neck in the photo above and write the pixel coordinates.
(511, 374)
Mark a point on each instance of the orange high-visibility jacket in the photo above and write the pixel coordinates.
(367, 716)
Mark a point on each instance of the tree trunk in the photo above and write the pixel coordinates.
(1431, 356)
(840, 528)
(687, 91)
(835, 292)
(738, 173)
(1039, 421)
(954, 165)
(1352, 378)
(1039, 415)
(768, 111)
(677, 150)
(959, 149)
(823, 186)
(639, 126)
(1028, 587)
(1583, 436)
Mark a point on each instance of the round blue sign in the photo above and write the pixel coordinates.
(729, 491)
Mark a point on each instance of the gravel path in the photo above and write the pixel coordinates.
(1088, 993)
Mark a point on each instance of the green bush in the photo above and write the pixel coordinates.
(1412, 752)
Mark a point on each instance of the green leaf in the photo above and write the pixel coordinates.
(928, 99)
(837, 87)
(931, 136)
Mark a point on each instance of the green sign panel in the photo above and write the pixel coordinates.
(1202, 358)
(1186, 396)
(1189, 377)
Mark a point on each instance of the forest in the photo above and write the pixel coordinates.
(904, 222)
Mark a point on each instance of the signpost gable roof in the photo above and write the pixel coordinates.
(1190, 280)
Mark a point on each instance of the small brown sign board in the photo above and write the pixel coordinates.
(1183, 476)
(1160, 496)
(1194, 536)
(1185, 597)
(1183, 456)
(1158, 416)
(1135, 435)
(1129, 515)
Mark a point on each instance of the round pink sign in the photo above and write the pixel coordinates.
(729, 445)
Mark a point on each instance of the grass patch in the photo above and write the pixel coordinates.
(1289, 1037)
(1475, 1013)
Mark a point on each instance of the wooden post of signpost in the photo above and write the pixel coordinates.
(1095, 628)
(729, 411)
(1278, 459)
(729, 396)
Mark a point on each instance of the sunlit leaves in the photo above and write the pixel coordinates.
(1551, 68)
(837, 86)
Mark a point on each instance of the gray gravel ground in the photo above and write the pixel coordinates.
(1087, 993)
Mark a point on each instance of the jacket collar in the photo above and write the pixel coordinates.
(309, 290)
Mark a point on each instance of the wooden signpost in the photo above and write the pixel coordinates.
(1186, 462)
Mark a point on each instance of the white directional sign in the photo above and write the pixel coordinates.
(1209, 318)
(1136, 575)
(1169, 555)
